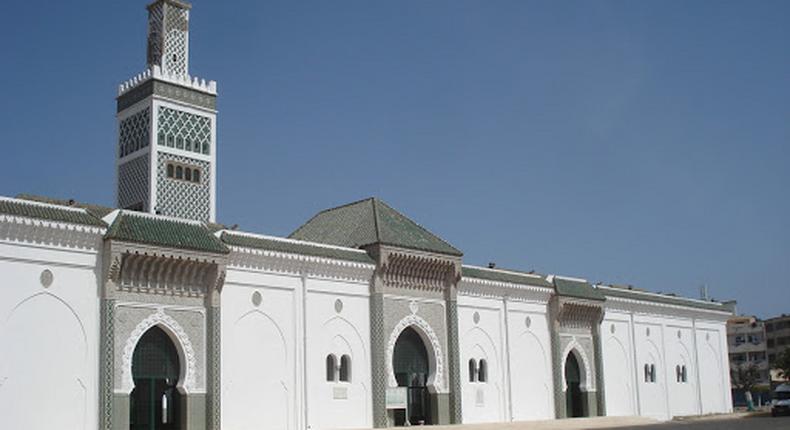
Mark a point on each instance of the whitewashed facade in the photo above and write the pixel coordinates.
(152, 316)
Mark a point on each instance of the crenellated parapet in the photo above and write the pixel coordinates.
(156, 72)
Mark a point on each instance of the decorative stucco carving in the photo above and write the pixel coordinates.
(411, 271)
(183, 345)
(436, 379)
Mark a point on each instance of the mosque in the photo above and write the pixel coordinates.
(153, 316)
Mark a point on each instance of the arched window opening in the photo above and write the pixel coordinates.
(345, 368)
(196, 176)
(472, 370)
(188, 174)
(179, 172)
(170, 171)
(482, 371)
(331, 367)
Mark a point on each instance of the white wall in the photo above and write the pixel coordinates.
(482, 340)
(274, 354)
(259, 351)
(532, 386)
(338, 322)
(618, 364)
(679, 344)
(49, 337)
(513, 337)
(714, 368)
(677, 337)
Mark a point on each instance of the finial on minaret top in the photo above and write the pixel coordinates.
(168, 36)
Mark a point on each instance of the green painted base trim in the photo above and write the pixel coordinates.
(120, 412)
(440, 408)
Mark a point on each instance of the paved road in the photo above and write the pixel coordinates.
(755, 423)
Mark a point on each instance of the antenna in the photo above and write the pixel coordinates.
(703, 292)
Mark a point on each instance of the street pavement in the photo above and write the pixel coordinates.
(747, 423)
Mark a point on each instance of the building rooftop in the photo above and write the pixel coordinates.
(336, 233)
(367, 222)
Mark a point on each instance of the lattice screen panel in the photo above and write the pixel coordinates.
(183, 199)
(182, 130)
(155, 32)
(133, 133)
(133, 183)
(176, 25)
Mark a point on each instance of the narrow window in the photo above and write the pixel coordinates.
(205, 148)
(678, 374)
(196, 176)
(179, 172)
(345, 368)
(180, 142)
(188, 144)
(685, 374)
(331, 366)
(170, 170)
(652, 373)
(472, 370)
(161, 139)
(188, 174)
(482, 371)
(171, 141)
(647, 373)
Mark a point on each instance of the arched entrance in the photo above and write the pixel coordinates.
(155, 400)
(574, 401)
(411, 367)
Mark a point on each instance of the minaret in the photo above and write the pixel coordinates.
(166, 156)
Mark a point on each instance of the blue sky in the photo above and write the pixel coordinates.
(628, 142)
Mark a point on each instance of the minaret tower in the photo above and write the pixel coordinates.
(166, 155)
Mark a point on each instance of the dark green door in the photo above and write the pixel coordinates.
(410, 364)
(155, 401)
(574, 404)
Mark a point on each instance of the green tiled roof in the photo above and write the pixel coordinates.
(636, 294)
(29, 209)
(167, 232)
(577, 289)
(293, 247)
(505, 275)
(367, 222)
(97, 211)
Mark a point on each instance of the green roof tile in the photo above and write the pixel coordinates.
(367, 222)
(505, 275)
(294, 247)
(49, 212)
(162, 231)
(97, 211)
(636, 294)
(578, 289)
